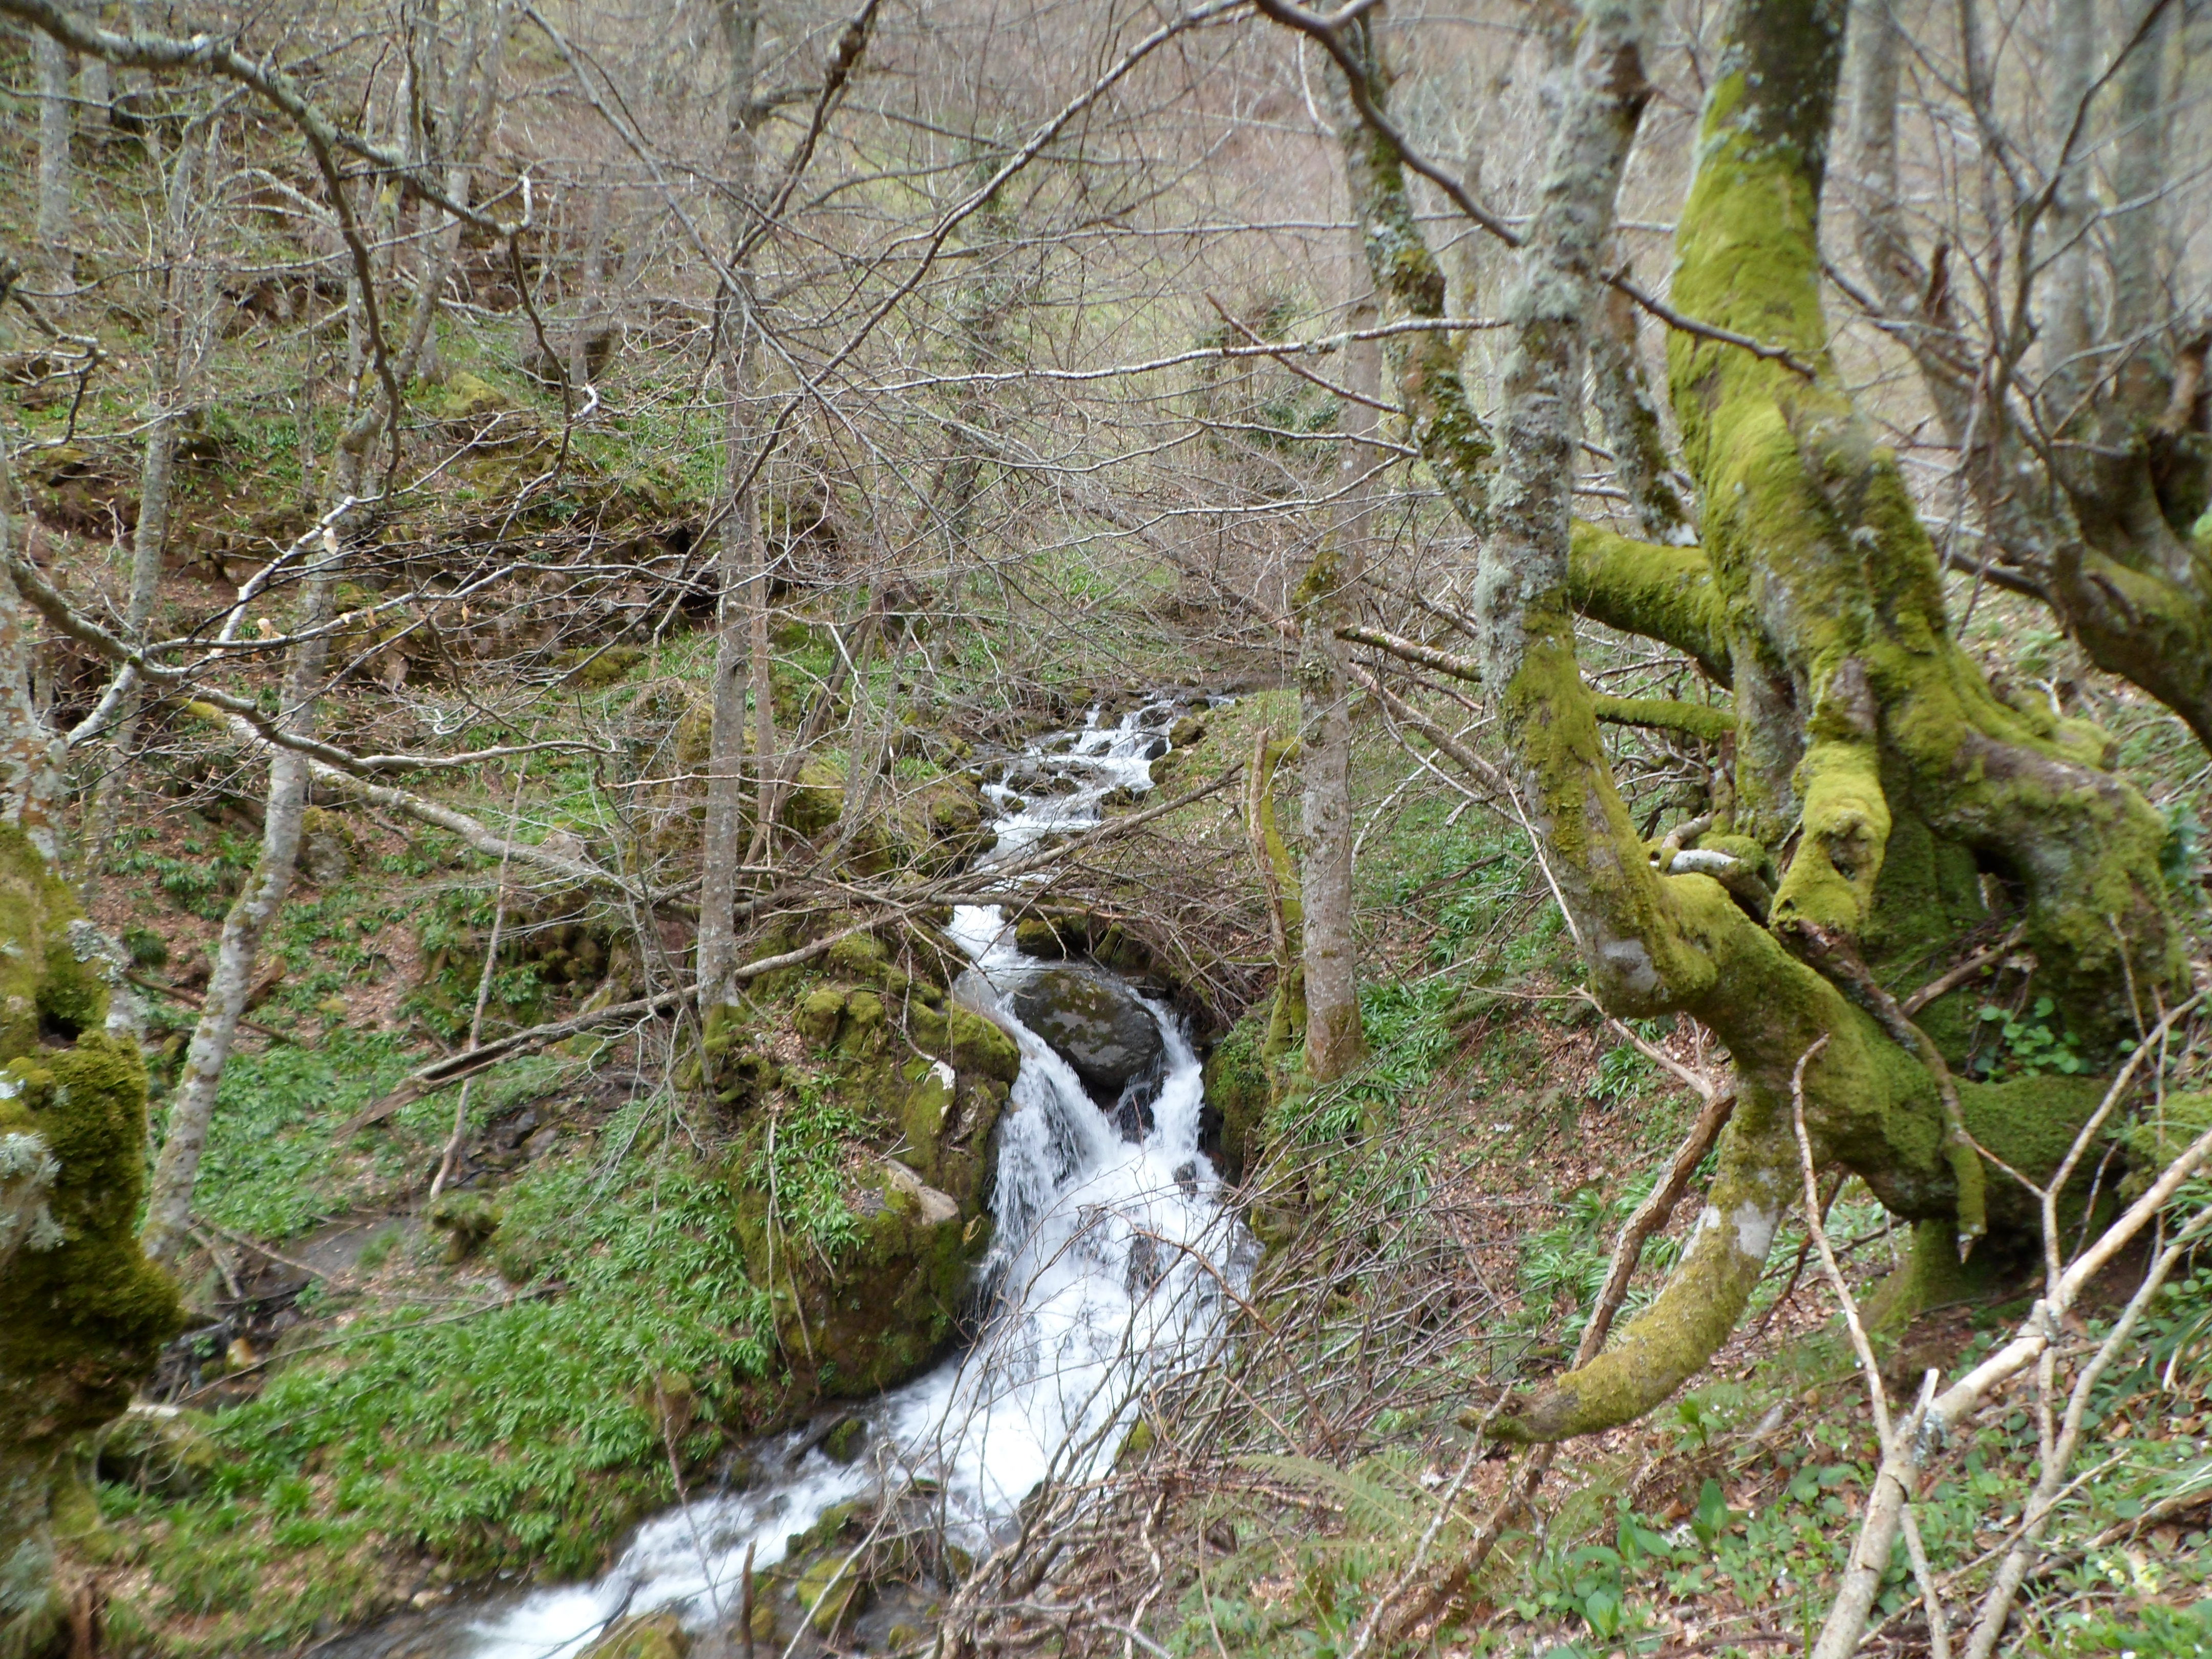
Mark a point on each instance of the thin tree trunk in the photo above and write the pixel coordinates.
(57, 126)
(30, 770)
(95, 92)
(179, 340)
(741, 616)
(169, 1203)
(1334, 1039)
(591, 316)
(169, 1200)
(1630, 422)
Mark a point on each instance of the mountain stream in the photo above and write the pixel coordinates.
(1108, 1264)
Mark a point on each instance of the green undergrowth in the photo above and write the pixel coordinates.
(492, 1427)
(272, 1166)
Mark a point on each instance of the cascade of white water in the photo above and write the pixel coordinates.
(1108, 1267)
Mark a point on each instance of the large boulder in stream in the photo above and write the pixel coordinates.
(1095, 1022)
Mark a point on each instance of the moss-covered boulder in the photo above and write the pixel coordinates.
(166, 1450)
(896, 1190)
(646, 1636)
(84, 1315)
(1236, 1112)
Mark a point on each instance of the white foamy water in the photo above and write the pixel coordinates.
(1107, 1274)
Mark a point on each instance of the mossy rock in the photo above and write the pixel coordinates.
(887, 1305)
(647, 1636)
(595, 670)
(818, 1015)
(862, 1029)
(467, 1220)
(976, 1044)
(859, 956)
(468, 397)
(846, 1441)
(830, 1590)
(166, 1450)
(1049, 941)
(1236, 1082)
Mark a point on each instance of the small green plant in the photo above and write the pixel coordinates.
(2029, 1041)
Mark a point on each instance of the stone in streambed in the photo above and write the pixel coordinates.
(1101, 1028)
(648, 1636)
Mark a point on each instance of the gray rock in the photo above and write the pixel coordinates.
(1095, 1023)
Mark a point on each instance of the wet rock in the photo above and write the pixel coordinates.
(1096, 1023)
(845, 1442)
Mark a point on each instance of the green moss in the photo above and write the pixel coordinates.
(646, 1636)
(1236, 1080)
(1667, 1344)
(82, 1313)
(975, 1044)
(1831, 883)
(818, 1014)
(1660, 592)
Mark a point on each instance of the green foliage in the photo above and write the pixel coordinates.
(520, 1435)
(204, 879)
(801, 1165)
(2151, 1632)
(271, 1167)
(2031, 1046)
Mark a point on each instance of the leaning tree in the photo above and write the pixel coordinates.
(1880, 812)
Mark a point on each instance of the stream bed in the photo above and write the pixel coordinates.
(1112, 1249)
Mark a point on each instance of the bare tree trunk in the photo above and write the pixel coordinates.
(95, 92)
(30, 756)
(57, 126)
(741, 617)
(179, 339)
(1334, 1039)
(591, 316)
(169, 1203)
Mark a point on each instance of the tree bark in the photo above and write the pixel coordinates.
(169, 1201)
(57, 127)
(1334, 1039)
(741, 657)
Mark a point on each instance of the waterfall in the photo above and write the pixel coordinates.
(1111, 1263)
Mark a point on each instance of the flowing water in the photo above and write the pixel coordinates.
(1108, 1272)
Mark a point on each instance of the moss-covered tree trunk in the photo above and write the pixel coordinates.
(82, 1314)
(1877, 777)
